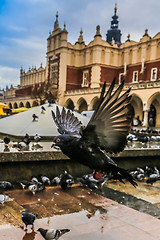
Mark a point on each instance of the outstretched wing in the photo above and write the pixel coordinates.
(67, 122)
(111, 121)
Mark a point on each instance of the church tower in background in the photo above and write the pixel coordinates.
(114, 34)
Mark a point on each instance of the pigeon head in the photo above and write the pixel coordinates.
(42, 231)
(62, 140)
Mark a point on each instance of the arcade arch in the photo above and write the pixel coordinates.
(28, 105)
(137, 106)
(10, 105)
(94, 103)
(154, 110)
(35, 104)
(82, 105)
(15, 105)
(21, 104)
(69, 104)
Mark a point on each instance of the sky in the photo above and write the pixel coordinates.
(25, 26)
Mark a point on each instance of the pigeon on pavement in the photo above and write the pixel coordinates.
(25, 183)
(66, 180)
(35, 117)
(36, 187)
(45, 180)
(50, 234)
(43, 109)
(5, 185)
(28, 219)
(6, 140)
(3, 198)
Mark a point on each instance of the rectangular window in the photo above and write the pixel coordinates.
(121, 77)
(54, 73)
(153, 74)
(85, 82)
(135, 76)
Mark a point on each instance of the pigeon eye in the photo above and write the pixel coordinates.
(58, 140)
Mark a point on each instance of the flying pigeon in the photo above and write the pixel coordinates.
(107, 130)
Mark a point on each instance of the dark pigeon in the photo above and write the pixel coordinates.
(28, 219)
(25, 183)
(35, 117)
(152, 179)
(66, 180)
(50, 234)
(107, 130)
(43, 109)
(6, 140)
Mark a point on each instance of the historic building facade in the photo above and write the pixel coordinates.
(77, 72)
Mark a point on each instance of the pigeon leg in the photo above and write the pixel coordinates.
(32, 227)
(25, 229)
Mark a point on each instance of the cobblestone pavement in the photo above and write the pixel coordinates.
(88, 215)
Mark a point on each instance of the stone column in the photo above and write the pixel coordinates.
(145, 116)
(145, 119)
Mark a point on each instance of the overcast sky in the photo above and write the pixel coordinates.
(25, 26)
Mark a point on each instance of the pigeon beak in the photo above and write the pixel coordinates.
(53, 145)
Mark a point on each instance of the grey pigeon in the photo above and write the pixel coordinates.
(28, 219)
(36, 187)
(5, 185)
(55, 181)
(45, 180)
(50, 234)
(34, 180)
(3, 198)
(37, 137)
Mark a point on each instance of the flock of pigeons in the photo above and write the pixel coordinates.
(144, 136)
(36, 184)
(148, 174)
(22, 145)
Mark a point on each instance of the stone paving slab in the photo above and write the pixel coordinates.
(88, 215)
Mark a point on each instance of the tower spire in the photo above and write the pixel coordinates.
(56, 24)
(115, 9)
(80, 39)
(114, 33)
